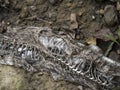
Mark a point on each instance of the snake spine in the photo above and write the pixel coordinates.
(59, 53)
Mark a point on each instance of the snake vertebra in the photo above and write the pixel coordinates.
(74, 61)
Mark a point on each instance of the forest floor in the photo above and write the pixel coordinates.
(93, 21)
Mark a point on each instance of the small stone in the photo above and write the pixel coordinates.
(69, 4)
(8, 23)
(110, 15)
(53, 2)
(93, 17)
(80, 13)
(101, 11)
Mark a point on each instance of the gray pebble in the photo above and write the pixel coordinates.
(53, 2)
(110, 15)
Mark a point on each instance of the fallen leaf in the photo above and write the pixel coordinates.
(91, 40)
(73, 20)
(103, 33)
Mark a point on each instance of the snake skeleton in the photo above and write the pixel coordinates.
(38, 48)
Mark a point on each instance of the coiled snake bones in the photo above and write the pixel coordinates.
(74, 61)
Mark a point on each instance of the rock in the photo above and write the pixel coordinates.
(110, 15)
(53, 2)
(10, 79)
(93, 17)
(101, 11)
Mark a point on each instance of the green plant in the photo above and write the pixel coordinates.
(112, 38)
(119, 35)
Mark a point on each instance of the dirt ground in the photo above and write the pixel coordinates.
(88, 20)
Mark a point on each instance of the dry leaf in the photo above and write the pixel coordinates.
(73, 20)
(103, 33)
(91, 40)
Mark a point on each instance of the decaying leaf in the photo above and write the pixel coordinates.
(103, 34)
(73, 20)
(91, 40)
